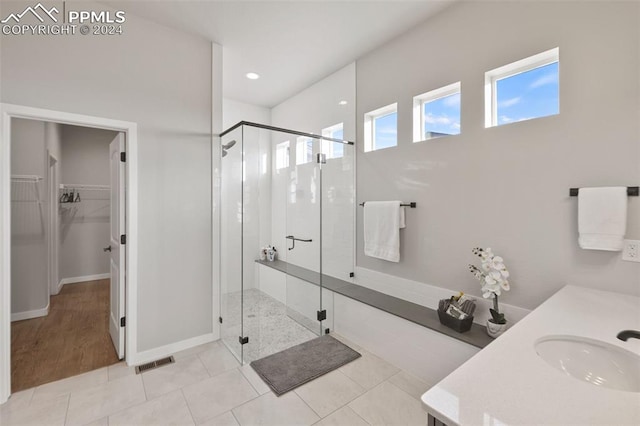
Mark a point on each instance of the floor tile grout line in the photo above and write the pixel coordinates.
(239, 405)
(247, 401)
(66, 414)
(356, 413)
(404, 371)
(144, 387)
(402, 390)
(364, 390)
(234, 416)
(307, 404)
(243, 375)
(343, 405)
(188, 407)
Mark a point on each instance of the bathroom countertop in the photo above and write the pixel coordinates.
(508, 383)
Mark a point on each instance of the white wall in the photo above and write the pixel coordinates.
(234, 112)
(507, 187)
(162, 80)
(29, 288)
(85, 225)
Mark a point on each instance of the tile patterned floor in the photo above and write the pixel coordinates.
(269, 324)
(206, 386)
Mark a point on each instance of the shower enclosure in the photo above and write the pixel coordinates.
(296, 192)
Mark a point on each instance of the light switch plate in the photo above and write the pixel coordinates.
(631, 251)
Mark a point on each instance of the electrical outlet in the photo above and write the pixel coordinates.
(631, 251)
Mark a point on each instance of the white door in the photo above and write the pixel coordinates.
(117, 290)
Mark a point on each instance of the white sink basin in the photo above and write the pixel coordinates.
(592, 361)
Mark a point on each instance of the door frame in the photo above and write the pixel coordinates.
(53, 229)
(130, 129)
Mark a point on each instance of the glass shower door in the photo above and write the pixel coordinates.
(302, 251)
(337, 217)
(231, 247)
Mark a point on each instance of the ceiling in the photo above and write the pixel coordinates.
(291, 44)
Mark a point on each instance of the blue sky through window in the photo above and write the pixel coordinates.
(386, 131)
(528, 95)
(442, 116)
(338, 148)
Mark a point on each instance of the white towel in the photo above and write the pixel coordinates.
(602, 218)
(382, 223)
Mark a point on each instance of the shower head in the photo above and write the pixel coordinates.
(228, 145)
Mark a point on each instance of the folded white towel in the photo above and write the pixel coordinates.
(382, 223)
(602, 218)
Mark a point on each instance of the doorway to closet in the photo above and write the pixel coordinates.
(67, 250)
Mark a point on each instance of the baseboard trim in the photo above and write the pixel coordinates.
(36, 313)
(170, 349)
(82, 279)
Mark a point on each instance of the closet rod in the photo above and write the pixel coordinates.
(81, 186)
(26, 178)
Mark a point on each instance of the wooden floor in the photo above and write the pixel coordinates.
(72, 339)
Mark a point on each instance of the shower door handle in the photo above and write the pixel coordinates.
(294, 239)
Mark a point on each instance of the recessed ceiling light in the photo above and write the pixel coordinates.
(342, 103)
(252, 76)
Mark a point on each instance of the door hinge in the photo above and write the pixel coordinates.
(220, 320)
(322, 158)
(123, 239)
(243, 340)
(123, 322)
(322, 315)
(123, 156)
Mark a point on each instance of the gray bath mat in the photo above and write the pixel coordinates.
(286, 370)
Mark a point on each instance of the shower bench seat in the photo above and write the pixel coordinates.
(409, 311)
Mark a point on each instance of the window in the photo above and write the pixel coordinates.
(333, 149)
(304, 150)
(523, 90)
(282, 155)
(381, 128)
(437, 113)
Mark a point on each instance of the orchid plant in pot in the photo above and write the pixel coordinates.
(493, 276)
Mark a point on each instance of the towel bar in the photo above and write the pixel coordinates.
(632, 191)
(411, 204)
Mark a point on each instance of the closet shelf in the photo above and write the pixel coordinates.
(88, 187)
(26, 178)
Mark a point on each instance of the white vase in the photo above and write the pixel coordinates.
(494, 330)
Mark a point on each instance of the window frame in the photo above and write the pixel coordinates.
(491, 78)
(370, 126)
(287, 155)
(327, 146)
(304, 142)
(419, 125)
